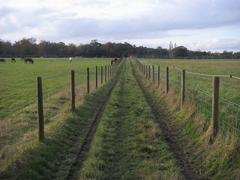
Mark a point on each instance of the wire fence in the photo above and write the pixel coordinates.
(199, 90)
(20, 130)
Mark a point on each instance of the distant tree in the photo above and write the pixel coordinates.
(180, 51)
(30, 47)
(26, 47)
(6, 49)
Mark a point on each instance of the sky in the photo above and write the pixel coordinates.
(197, 24)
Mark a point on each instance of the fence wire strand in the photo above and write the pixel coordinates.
(199, 92)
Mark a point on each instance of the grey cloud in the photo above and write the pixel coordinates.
(182, 15)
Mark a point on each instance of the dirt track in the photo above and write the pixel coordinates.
(168, 134)
(115, 160)
(82, 154)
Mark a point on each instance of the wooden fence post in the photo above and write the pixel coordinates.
(183, 90)
(153, 73)
(146, 71)
(105, 73)
(88, 83)
(73, 89)
(158, 76)
(40, 110)
(167, 79)
(101, 74)
(96, 77)
(149, 72)
(215, 106)
(110, 71)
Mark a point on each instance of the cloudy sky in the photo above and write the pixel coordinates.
(197, 24)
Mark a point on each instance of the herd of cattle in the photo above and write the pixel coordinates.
(30, 60)
(13, 60)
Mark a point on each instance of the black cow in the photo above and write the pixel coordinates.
(2, 60)
(28, 60)
(13, 60)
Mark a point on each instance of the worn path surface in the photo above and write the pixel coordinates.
(128, 143)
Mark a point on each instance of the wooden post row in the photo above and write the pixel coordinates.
(40, 110)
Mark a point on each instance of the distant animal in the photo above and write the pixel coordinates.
(28, 60)
(113, 61)
(13, 60)
(2, 60)
(70, 59)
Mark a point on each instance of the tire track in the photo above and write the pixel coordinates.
(169, 136)
(128, 143)
(83, 151)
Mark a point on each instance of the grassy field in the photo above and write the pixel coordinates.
(18, 80)
(199, 88)
(18, 111)
(142, 134)
(217, 159)
(53, 158)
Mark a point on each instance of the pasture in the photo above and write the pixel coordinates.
(18, 97)
(199, 86)
(130, 127)
(18, 80)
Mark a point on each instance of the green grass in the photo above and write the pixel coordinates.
(53, 158)
(18, 112)
(218, 159)
(199, 88)
(128, 143)
(18, 80)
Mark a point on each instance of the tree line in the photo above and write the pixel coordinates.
(30, 48)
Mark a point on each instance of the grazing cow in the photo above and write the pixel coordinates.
(2, 60)
(113, 61)
(13, 60)
(70, 59)
(28, 60)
